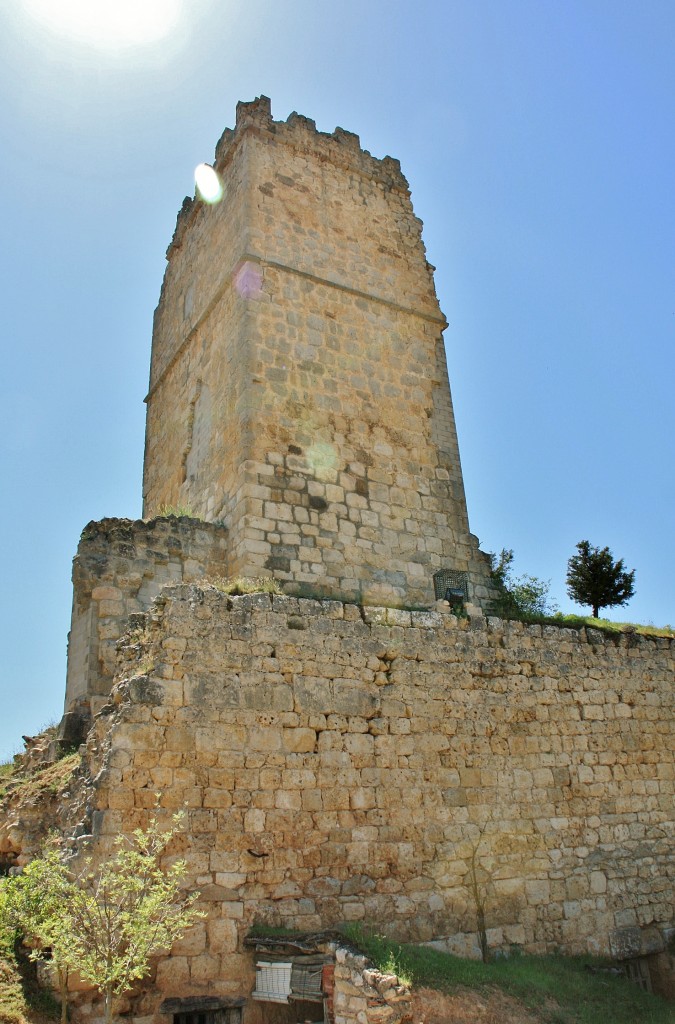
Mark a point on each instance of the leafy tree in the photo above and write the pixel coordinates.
(107, 923)
(519, 596)
(594, 578)
(31, 906)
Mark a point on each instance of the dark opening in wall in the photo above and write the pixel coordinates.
(6, 865)
(637, 971)
(228, 1015)
(203, 1010)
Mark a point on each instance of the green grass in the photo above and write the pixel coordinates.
(22, 1001)
(577, 621)
(177, 511)
(6, 773)
(44, 781)
(13, 1006)
(560, 989)
(604, 625)
(237, 585)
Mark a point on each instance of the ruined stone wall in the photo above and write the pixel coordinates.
(341, 763)
(119, 569)
(299, 390)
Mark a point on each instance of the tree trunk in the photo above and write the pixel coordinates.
(63, 993)
(108, 1006)
(482, 935)
(595, 611)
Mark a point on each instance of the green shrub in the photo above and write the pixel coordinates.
(519, 597)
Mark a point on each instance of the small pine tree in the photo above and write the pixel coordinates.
(595, 579)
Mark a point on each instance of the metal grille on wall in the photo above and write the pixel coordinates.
(453, 580)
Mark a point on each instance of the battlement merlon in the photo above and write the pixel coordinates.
(341, 147)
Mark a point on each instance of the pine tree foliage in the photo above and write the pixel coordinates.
(595, 579)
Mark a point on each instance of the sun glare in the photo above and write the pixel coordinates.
(323, 459)
(108, 24)
(208, 183)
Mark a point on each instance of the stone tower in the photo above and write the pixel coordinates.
(298, 389)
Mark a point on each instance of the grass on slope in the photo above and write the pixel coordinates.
(6, 772)
(40, 781)
(560, 989)
(604, 625)
(21, 1000)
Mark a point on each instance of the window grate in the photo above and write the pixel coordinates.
(453, 580)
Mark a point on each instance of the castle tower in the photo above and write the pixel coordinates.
(298, 387)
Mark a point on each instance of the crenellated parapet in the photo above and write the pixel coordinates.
(340, 147)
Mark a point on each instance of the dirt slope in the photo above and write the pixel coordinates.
(467, 1007)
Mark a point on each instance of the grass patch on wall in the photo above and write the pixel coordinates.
(47, 781)
(559, 989)
(577, 621)
(235, 586)
(604, 625)
(175, 512)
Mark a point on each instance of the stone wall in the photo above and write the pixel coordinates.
(341, 763)
(299, 389)
(364, 994)
(119, 569)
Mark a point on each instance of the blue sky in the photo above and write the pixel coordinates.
(538, 141)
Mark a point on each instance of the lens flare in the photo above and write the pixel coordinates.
(209, 185)
(248, 280)
(105, 24)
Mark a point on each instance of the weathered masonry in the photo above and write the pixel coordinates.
(345, 764)
(299, 390)
(119, 569)
(347, 751)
